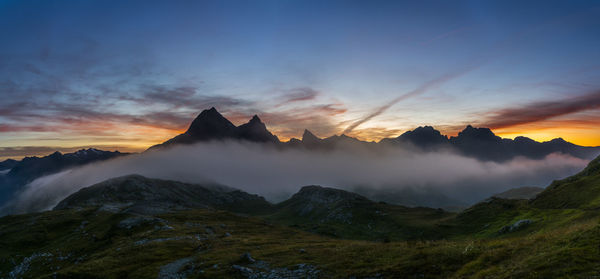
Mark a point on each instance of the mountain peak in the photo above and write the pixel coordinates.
(308, 137)
(424, 136)
(255, 118)
(478, 134)
(255, 130)
(210, 124)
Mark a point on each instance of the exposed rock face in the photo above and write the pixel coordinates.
(135, 193)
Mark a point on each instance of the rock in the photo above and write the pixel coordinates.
(516, 226)
(302, 251)
(137, 221)
(227, 234)
(247, 258)
(244, 270)
(178, 269)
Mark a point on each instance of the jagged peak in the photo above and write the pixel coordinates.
(477, 133)
(309, 136)
(255, 121)
(255, 118)
(210, 121)
(423, 130)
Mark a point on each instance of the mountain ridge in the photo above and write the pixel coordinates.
(480, 143)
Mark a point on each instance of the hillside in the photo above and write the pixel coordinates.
(216, 244)
(317, 233)
(521, 193)
(579, 191)
(135, 193)
(344, 214)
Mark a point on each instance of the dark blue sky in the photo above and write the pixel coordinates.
(131, 73)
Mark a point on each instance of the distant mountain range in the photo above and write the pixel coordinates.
(18, 173)
(479, 143)
(210, 125)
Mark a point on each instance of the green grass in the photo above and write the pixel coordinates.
(397, 242)
(552, 250)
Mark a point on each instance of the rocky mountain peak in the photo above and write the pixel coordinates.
(483, 134)
(424, 136)
(308, 137)
(210, 124)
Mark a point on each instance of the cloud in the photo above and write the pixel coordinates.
(418, 91)
(276, 173)
(291, 122)
(541, 111)
(300, 94)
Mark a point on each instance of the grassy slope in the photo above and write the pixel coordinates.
(106, 250)
(562, 242)
(365, 220)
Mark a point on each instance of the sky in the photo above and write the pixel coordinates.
(129, 74)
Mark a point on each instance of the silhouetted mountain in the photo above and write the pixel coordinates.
(135, 193)
(483, 144)
(211, 125)
(30, 168)
(309, 139)
(256, 131)
(479, 143)
(7, 164)
(424, 137)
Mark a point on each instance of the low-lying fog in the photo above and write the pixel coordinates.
(278, 173)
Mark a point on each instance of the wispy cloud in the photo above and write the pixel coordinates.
(300, 94)
(540, 111)
(418, 91)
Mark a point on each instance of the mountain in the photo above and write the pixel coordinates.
(318, 233)
(424, 137)
(211, 125)
(479, 143)
(412, 197)
(580, 191)
(521, 193)
(7, 164)
(30, 168)
(345, 214)
(255, 131)
(135, 193)
(483, 144)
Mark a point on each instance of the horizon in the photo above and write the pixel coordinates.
(127, 75)
(10, 153)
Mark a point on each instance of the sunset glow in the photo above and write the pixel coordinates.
(521, 70)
